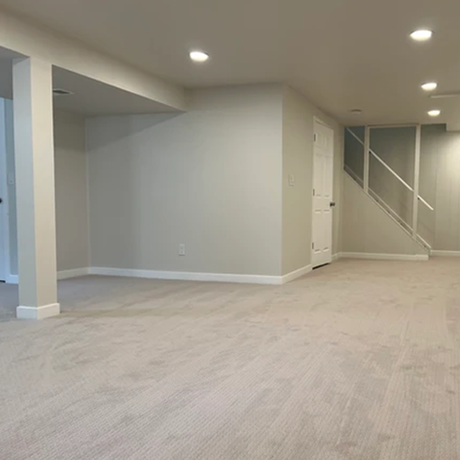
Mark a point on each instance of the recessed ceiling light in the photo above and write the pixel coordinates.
(199, 56)
(430, 86)
(356, 111)
(434, 113)
(421, 35)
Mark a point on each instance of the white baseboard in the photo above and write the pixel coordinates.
(61, 275)
(37, 313)
(336, 256)
(369, 256)
(295, 274)
(186, 276)
(65, 274)
(193, 276)
(11, 279)
(435, 252)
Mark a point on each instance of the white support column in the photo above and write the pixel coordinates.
(367, 141)
(34, 154)
(418, 140)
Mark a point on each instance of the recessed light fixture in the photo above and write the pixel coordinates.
(429, 86)
(421, 35)
(198, 56)
(434, 113)
(356, 111)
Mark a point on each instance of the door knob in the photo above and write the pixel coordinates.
(332, 204)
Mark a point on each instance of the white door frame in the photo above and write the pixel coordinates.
(4, 207)
(317, 120)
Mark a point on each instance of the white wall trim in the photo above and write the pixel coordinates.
(336, 256)
(12, 279)
(73, 273)
(186, 276)
(37, 313)
(61, 275)
(296, 274)
(440, 253)
(370, 256)
(194, 276)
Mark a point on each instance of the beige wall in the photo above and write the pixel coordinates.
(354, 151)
(440, 186)
(71, 191)
(72, 228)
(209, 178)
(439, 180)
(368, 229)
(396, 147)
(298, 121)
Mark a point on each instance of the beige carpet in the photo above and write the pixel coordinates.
(359, 360)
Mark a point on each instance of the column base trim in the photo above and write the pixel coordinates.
(38, 313)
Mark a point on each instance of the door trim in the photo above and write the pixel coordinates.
(317, 120)
(4, 208)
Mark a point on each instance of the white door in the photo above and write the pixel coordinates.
(323, 170)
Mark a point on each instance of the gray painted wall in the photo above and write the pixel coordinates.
(440, 186)
(298, 123)
(209, 178)
(354, 151)
(72, 227)
(395, 146)
(368, 229)
(71, 191)
(439, 180)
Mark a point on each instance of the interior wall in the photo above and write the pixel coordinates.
(354, 151)
(440, 186)
(368, 229)
(70, 162)
(396, 147)
(298, 124)
(439, 181)
(72, 232)
(209, 178)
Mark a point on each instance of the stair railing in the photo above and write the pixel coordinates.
(380, 201)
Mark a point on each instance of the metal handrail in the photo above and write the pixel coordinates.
(428, 205)
(387, 208)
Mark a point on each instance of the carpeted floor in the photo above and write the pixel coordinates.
(359, 360)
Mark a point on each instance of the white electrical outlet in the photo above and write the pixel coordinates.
(182, 249)
(291, 180)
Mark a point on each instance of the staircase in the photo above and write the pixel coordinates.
(378, 200)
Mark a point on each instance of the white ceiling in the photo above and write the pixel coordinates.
(90, 97)
(340, 54)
